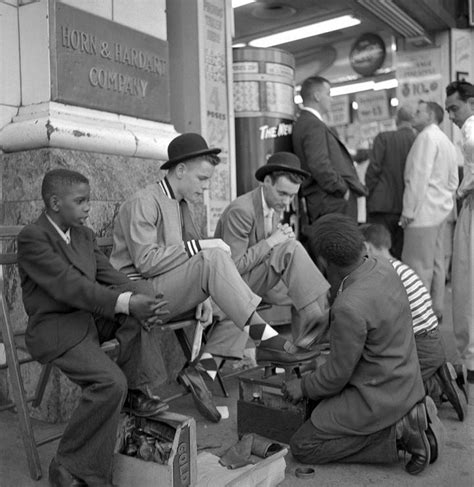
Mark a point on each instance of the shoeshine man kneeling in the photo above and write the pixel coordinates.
(75, 300)
(156, 238)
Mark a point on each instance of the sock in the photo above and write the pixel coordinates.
(210, 364)
(260, 331)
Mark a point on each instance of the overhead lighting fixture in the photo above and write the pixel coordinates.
(307, 31)
(386, 85)
(239, 44)
(364, 86)
(241, 3)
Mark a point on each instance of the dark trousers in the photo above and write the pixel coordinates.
(431, 356)
(390, 220)
(86, 447)
(380, 447)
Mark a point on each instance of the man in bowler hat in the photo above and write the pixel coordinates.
(265, 251)
(155, 238)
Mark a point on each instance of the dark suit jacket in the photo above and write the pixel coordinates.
(63, 286)
(331, 167)
(384, 177)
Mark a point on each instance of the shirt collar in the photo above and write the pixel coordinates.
(313, 111)
(66, 236)
(267, 211)
(165, 185)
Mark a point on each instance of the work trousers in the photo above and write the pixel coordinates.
(86, 447)
(462, 282)
(390, 220)
(379, 447)
(306, 287)
(211, 272)
(423, 251)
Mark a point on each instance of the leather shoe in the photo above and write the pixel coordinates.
(447, 378)
(59, 476)
(436, 432)
(140, 404)
(411, 437)
(192, 380)
(461, 379)
(470, 376)
(290, 354)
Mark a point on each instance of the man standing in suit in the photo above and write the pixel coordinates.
(75, 300)
(384, 177)
(431, 178)
(460, 107)
(334, 185)
(155, 237)
(266, 252)
(369, 392)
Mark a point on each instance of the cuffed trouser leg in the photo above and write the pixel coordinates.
(211, 272)
(378, 447)
(462, 282)
(86, 447)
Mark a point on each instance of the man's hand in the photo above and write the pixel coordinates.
(280, 235)
(148, 310)
(204, 313)
(405, 221)
(292, 391)
(212, 243)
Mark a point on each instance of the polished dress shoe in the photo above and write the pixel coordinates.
(470, 376)
(59, 476)
(192, 380)
(411, 437)
(461, 379)
(289, 355)
(447, 378)
(140, 404)
(436, 432)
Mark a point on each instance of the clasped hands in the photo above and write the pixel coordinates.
(280, 235)
(148, 310)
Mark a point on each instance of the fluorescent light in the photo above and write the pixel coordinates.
(353, 88)
(386, 85)
(240, 3)
(306, 31)
(394, 102)
(239, 44)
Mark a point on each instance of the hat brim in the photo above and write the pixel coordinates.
(190, 155)
(261, 172)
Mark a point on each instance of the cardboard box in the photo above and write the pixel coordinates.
(261, 408)
(181, 468)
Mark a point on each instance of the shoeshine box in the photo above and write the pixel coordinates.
(181, 468)
(262, 409)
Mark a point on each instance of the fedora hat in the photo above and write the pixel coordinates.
(185, 147)
(281, 161)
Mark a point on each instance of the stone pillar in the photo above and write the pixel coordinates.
(106, 131)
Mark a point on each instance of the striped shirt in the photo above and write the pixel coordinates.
(421, 306)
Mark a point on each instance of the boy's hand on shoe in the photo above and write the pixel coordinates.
(148, 310)
(292, 391)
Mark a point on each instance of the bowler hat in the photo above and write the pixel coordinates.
(281, 161)
(185, 147)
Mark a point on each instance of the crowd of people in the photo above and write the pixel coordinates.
(376, 394)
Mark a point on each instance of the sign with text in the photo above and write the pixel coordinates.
(373, 105)
(99, 64)
(339, 113)
(419, 76)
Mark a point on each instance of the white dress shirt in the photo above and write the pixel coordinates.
(267, 217)
(431, 178)
(313, 111)
(123, 301)
(467, 183)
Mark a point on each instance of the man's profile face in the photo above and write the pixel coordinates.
(71, 205)
(195, 178)
(457, 109)
(422, 117)
(324, 98)
(279, 195)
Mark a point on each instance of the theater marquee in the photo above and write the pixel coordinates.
(97, 63)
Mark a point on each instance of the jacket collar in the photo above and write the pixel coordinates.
(165, 186)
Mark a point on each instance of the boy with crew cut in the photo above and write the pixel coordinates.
(75, 300)
(438, 375)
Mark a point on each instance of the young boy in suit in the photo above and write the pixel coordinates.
(75, 300)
